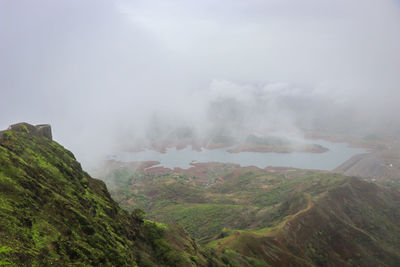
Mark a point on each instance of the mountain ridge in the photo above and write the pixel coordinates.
(54, 213)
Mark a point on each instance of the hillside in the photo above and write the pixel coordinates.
(275, 216)
(364, 165)
(353, 224)
(54, 213)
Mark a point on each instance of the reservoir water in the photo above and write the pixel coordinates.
(337, 154)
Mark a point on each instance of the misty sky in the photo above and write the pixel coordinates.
(102, 72)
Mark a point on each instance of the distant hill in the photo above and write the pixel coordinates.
(364, 165)
(277, 217)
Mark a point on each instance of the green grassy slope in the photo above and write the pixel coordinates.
(283, 218)
(352, 224)
(53, 213)
(243, 198)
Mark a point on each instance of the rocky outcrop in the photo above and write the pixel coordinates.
(41, 130)
(44, 130)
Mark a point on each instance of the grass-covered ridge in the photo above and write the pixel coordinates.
(54, 213)
(276, 216)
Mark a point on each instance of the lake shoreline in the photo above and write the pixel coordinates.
(335, 155)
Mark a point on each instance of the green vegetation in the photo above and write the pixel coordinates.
(243, 199)
(53, 213)
(289, 217)
(204, 220)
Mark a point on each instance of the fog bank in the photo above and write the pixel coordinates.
(107, 73)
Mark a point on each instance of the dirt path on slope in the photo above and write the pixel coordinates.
(227, 242)
(270, 233)
(309, 206)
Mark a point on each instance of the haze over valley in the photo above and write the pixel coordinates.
(112, 74)
(199, 133)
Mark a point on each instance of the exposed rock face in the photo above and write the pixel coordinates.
(41, 130)
(44, 130)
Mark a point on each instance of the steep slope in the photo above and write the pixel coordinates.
(353, 224)
(53, 213)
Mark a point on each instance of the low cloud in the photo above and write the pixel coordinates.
(104, 73)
